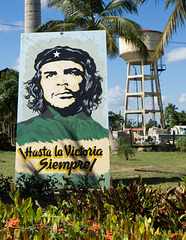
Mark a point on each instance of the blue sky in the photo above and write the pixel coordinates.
(150, 16)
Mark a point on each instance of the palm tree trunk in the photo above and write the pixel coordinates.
(32, 15)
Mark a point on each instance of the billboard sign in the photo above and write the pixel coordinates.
(62, 126)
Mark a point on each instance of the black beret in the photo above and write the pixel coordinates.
(59, 53)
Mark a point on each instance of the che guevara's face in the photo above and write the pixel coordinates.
(60, 81)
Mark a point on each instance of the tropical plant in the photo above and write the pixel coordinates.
(121, 212)
(131, 123)
(181, 143)
(151, 123)
(172, 116)
(182, 118)
(115, 121)
(175, 21)
(5, 184)
(124, 148)
(34, 185)
(97, 15)
(8, 100)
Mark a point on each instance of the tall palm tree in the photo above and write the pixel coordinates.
(115, 121)
(171, 116)
(96, 15)
(176, 20)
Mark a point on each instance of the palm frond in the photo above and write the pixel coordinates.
(176, 21)
(112, 45)
(69, 7)
(96, 6)
(169, 2)
(141, 1)
(57, 26)
(94, 15)
(127, 29)
(144, 1)
(76, 15)
(118, 7)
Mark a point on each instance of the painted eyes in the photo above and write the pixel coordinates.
(69, 72)
(51, 74)
(73, 72)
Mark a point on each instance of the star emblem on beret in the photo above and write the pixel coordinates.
(56, 54)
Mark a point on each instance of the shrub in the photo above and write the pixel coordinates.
(124, 212)
(35, 186)
(181, 143)
(5, 185)
(124, 148)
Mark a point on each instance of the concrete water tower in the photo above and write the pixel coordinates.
(142, 83)
(32, 15)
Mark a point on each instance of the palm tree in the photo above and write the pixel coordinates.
(176, 21)
(125, 148)
(115, 121)
(96, 15)
(171, 116)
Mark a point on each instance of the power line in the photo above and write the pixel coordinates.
(10, 25)
(14, 25)
(178, 42)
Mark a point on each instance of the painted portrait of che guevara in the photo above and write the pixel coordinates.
(65, 89)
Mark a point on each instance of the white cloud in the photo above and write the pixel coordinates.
(164, 99)
(116, 101)
(182, 99)
(14, 26)
(176, 55)
(116, 96)
(16, 67)
(20, 25)
(43, 3)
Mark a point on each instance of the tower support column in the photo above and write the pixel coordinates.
(154, 93)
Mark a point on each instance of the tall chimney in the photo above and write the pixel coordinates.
(32, 15)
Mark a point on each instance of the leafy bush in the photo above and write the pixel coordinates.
(5, 185)
(4, 137)
(37, 187)
(133, 202)
(5, 144)
(181, 143)
(124, 212)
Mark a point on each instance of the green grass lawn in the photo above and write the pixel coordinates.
(7, 163)
(122, 169)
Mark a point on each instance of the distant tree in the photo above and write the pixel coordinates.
(8, 100)
(131, 123)
(150, 124)
(171, 116)
(181, 143)
(115, 121)
(182, 118)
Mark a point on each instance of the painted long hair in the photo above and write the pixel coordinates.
(90, 87)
